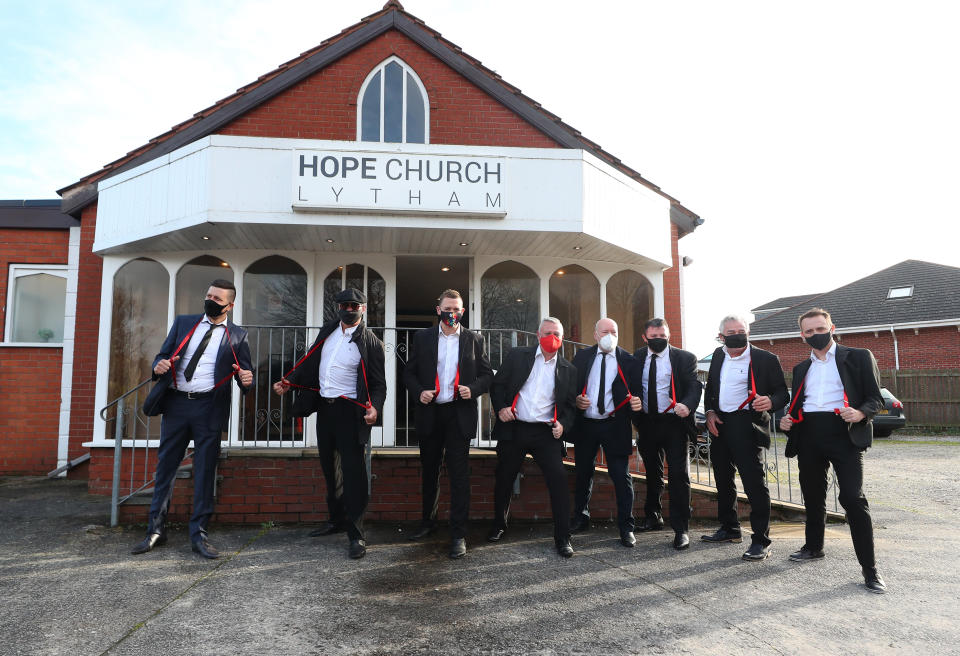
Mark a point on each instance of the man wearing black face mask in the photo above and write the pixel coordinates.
(744, 384)
(446, 373)
(193, 370)
(671, 392)
(836, 393)
(341, 378)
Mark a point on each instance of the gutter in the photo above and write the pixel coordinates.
(940, 323)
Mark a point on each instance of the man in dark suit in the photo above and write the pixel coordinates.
(533, 395)
(194, 399)
(744, 384)
(605, 375)
(671, 393)
(341, 378)
(447, 371)
(836, 393)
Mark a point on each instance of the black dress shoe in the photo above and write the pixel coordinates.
(681, 541)
(723, 535)
(496, 534)
(423, 531)
(327, 528)
(564, 548)
(805, 554)
(627, 538)
(205, 549)
(873, 581)
(654, 523)
(757, 551)
(458, 548)
(358, 549)
(148, 543)
(580, 524)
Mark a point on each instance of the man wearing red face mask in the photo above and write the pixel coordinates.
(534, 396)
(446, 373)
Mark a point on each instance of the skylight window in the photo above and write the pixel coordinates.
(900, 292)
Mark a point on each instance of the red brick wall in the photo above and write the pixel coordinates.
(86, 340)
(324, 106)
(29, 376)
(672, 310)
(930, 348)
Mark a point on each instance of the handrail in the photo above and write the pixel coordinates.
(121, 397)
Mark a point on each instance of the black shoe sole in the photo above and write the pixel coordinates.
(761, 557)
(706, 538)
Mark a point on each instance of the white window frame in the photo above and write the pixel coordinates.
(381, 68)
(19, 271)
(909, 293)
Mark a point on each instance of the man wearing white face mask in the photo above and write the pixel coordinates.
(605, 376)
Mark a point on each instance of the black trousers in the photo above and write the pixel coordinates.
(826, 441)
(446, 442)
(665, 434)
(736, 446)
(537, 440)
(593, 435)
(184, 420)
(344, 464)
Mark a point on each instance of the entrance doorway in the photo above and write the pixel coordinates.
(420, 280)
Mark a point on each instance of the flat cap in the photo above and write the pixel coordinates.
(350, 296)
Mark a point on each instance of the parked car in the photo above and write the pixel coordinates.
(891, 417)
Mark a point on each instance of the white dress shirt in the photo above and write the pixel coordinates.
(339, 359)
(203, 378)
(593, 385)
(823, 389)
(734, 380)
(537, 401)
(664, 374)
(448, 356)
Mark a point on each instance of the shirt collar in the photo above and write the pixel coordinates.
(206, 319)
(543, 357)
(746, 352)
(349, 331)
(456, 333)
(832, 353)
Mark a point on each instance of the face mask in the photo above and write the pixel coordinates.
(657, 344)
(607, 343)
(349, 317)
(735, 341)
(819, 341)
(550, 343)
(212, 309)
(450, 318)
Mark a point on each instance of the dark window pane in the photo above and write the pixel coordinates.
(193, 281)
(370, 111)
(274, 293)
(415, 113)
(575, 300)
(354, 277)
(393, 104)
(331, 287)
(630, 304)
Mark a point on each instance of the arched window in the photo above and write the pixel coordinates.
(193, 280)
(361, 278)
(575, 300)
(630, 304)
(392, 107)
(138, 324)
(275, 293)
(510, 294)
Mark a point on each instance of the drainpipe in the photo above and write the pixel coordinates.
(896, 349)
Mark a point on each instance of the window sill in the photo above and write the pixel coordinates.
(32, 344)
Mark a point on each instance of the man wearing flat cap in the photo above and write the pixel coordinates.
(341, 378)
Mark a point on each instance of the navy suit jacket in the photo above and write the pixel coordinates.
(182, 325)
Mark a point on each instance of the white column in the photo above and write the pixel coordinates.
(69, 338)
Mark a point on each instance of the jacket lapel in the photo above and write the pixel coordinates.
(843, 369)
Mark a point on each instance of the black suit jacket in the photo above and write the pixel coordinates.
(622, 441)
(768, 377)
(861, 382)
(512, 376)
(684, 367)
(420, 374)
(182, 325)
(307, 401)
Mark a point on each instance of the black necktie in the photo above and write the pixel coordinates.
(652, 387)
(603, 383)
(195, 360)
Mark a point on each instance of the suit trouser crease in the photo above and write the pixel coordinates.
(666, 434)
(826, 441)
(537, 440)
(344, 464)
(736, 446)
(185, 420)
(446, 443)
(589, 441)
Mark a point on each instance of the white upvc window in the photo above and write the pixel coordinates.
(900, 292)
(35, 305)
(392, 106)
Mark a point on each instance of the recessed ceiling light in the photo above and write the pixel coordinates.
(578, 248)
(444, 268)
(205, 238)
(224, 264)
(560, 272)
(463, 243)
(330, 241)
(519, 300)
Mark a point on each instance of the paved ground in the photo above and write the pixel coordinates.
(69, 586)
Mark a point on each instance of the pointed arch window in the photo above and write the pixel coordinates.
(392, 107)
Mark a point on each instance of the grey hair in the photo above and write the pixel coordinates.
(734, 317)
(551, 320)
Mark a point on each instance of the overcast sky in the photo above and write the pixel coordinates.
(818, 140)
